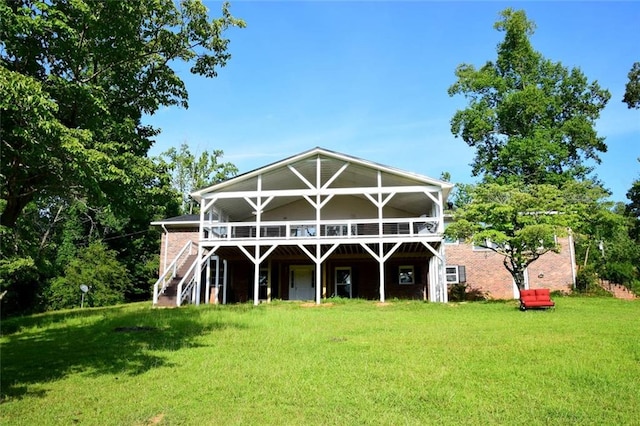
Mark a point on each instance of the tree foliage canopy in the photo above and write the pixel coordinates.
(521, 222)
(190, 172)
(632, 89)
(76, 77)
(529, 118)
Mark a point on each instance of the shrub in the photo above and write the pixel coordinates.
(586, 279)
(97, 268)
(462, 292)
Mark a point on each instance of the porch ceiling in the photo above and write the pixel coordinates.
(291, 174)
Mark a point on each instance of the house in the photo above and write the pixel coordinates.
(315, 225)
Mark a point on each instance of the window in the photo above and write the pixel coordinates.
(405, 275)
(488, 243)
(263, 277)
(263, 284)
(456, 274)
(343, 282)
(449, 240)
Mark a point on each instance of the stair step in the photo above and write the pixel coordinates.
(170, 294)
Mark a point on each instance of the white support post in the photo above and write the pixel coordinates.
(256, 277)
(224, 283)
(208, 281)
(381, 271)
(198, 276)
(258, 214)
(432, 279)
(318, 198)
(572, 254)
(318, 255)
(217, 291)
(269, 282)
(442, 261)
(318, 274)
(440, 213)
(198, 271)
(380, 215)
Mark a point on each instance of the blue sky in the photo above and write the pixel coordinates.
(370, 79)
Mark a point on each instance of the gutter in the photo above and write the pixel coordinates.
(166, 247)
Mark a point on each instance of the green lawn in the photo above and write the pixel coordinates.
(352, 362)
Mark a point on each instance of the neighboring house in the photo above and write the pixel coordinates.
(315, 225)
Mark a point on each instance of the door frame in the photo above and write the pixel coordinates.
(293, 290)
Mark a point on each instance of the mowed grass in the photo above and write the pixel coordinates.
(351, 362)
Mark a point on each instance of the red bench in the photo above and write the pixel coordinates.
(535, 298)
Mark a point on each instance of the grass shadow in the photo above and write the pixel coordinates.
(101, 341)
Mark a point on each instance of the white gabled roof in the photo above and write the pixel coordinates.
(360, 173)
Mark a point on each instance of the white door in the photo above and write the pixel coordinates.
(302, 285)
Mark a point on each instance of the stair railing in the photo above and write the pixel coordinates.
(190, 280)
(170, 272)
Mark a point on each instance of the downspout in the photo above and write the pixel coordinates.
(166, 248)
(572, 253)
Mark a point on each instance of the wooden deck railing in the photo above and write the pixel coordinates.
(357, 228)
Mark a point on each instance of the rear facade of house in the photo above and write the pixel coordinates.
(317, 225)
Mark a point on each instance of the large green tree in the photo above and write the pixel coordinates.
(520, 221)
(633, 208)
(76, 78)
(632, 89)
(190, 172)
(529, 118)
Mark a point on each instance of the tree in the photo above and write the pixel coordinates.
(77, 76)
(189, 173)
(518, 221)
(98, 269)
(530, 119)
(632, 89)
(633, 209)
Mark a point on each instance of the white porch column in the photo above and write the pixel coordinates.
(198, 271)
(318, 273)
(217, 287)
(198, 276)
(442, 276)
(224, 283)
(381, 257)
(256, 278)
(381, 271)
(257, 259)
(207, 287)
(432, 279)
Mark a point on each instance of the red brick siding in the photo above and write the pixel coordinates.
(484, 269)
(366, 281)
(173, 242)
(486, 272)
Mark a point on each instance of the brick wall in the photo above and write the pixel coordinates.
(173, 242)
(486, 272)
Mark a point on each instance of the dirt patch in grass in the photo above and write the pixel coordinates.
(134, 329)
(314, 305)
(155, 420)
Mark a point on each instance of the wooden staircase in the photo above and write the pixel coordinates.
(168, 298)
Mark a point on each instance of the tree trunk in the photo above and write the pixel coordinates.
(13, 209)
(518, 278)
